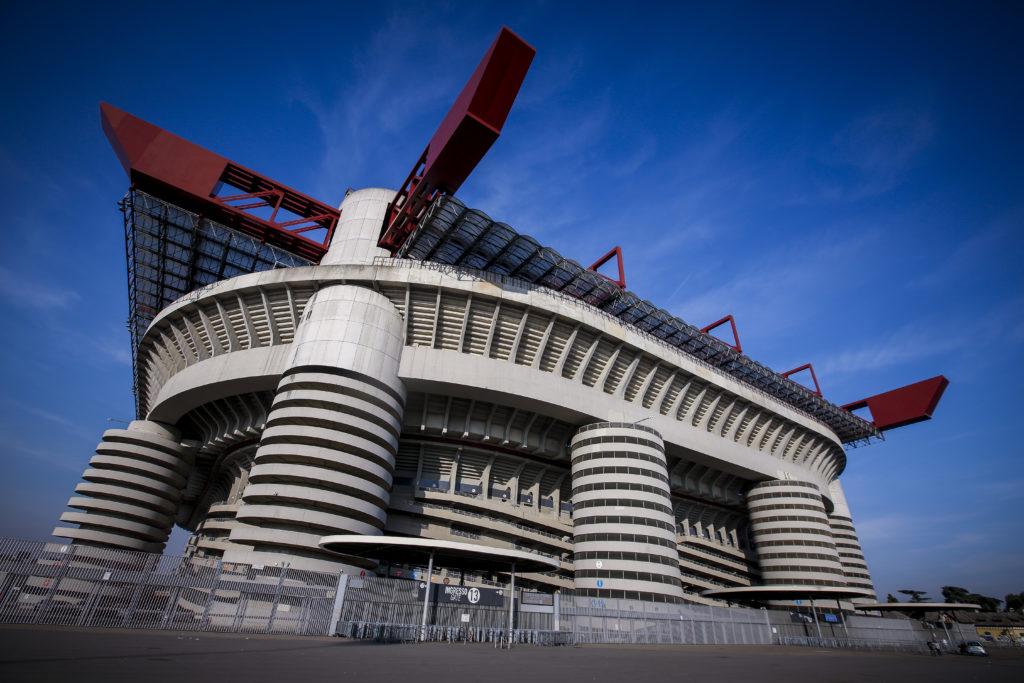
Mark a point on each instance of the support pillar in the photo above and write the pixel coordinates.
(326, 457)
(624, 536)
(131, 490)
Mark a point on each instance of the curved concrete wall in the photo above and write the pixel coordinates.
(624, 539)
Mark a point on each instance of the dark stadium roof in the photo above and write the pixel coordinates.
(453, 234)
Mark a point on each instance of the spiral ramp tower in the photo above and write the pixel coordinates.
(131, 489)
(624, 535)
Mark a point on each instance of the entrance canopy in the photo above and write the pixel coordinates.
(450, 553)
(787, 592)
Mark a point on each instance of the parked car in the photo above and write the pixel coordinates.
(973, 647)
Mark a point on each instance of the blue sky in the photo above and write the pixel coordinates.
(843, 178)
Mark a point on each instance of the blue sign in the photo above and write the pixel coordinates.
(600, 582)
(416, 575)
(799, 602)
(831, 618)
(600, 603)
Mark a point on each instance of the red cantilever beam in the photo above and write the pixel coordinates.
(735, 335)
(468, 130)
(904, 406)
(806, 366)
(617, 253)
(174, 169)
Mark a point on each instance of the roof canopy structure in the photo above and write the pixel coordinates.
(787, 592)
(453, 234)
(449, 553)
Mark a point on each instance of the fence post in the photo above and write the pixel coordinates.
(55, 583)
(339, 604)
(86, 615)
(151, 562)
(277, 597)
(557, 616)
(209, 599)
(172, 606)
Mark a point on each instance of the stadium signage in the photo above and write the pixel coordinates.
(463, 595)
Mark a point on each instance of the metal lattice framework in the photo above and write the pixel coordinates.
(454, 234)
(172, 252)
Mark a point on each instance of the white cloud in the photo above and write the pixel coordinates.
(879, 149)
(20, 291)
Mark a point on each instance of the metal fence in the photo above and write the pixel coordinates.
(390, 609)
(52, 583)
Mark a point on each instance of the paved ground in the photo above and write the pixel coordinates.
(61, 654)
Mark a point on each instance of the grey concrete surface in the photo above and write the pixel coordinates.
(43, 654)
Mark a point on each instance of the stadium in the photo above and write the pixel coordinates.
(308, 379)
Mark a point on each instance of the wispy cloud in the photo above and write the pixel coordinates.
(381, 97)
(65, 424)
(918, 339)
(70, 462)
(907, 344)
(877, 149)
(23, 292)
(775, 289)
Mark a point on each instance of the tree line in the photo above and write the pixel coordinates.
(1014, 601)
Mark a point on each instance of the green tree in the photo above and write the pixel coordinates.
(916, 596)
(891, 598)
(962, 595)
(955, 594)
(1014, 601)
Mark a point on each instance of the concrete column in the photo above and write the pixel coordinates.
(855, 568)
(131, 489)
(790, 528)
(326, 458)
(624, 538)
(355, 237)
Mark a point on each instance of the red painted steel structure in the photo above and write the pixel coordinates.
(468, 130)
(735, 335)
(617, 253)
(806, 366)
(183, 173)
(904, 406)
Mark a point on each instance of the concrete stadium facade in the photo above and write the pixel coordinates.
(378, 395)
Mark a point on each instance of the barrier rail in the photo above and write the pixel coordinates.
(69, 585)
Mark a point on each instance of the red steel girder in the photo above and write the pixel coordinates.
(904, 406)
(466, 133)
(806, 366)
(735, 335)
(617, 253)
(181, 172)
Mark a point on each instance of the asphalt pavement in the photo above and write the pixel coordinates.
(33, 653)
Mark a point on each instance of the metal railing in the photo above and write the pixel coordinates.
(69, 585)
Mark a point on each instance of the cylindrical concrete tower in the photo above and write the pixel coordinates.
(624, 539)
(131, 490)
(855, 568)
(355, 238)
(790, 528)
(326, 458)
